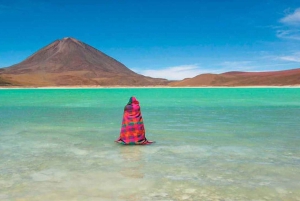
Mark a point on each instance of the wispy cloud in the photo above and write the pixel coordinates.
(266, 63)
(295, 57)
(189, 71)
(291, 24)
(174, 72)
(290, 58)
(292, 19)
(293, 34)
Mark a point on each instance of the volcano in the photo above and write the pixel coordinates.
(70, 62)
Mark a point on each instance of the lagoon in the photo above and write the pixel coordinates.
(211, 144)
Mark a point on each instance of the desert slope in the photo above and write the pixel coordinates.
(272, 78)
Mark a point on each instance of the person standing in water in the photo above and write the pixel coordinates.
(133, 130)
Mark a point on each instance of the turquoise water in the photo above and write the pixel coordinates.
(211, 144)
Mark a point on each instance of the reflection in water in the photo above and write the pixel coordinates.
(133, 163)
(132, 170)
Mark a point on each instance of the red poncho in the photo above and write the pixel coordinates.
(132, 131)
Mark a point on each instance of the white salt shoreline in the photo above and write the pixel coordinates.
(117, 87)
(146, 87)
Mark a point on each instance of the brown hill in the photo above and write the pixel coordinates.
(71, 62)
(274, 78)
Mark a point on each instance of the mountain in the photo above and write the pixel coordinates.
(70, 62)
(236, 78)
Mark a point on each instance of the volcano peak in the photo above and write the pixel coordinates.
(68, 61)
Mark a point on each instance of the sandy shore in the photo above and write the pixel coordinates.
(149, 86)
(141, 87)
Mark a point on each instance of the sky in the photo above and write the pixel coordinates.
(172, 39)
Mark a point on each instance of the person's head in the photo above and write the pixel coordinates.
(133, 100)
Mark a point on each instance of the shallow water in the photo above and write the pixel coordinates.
(211, 144)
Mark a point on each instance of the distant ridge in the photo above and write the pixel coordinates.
(237, 78)
(68, 62)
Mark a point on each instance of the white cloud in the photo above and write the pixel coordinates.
(293, 58)
(290, 58)
(189, 71)
(292, 19)
(291, 23)
(288, 34)
(174, 73)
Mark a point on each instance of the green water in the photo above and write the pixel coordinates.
(211, 144)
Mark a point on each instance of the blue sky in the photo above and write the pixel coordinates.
(173, 39)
